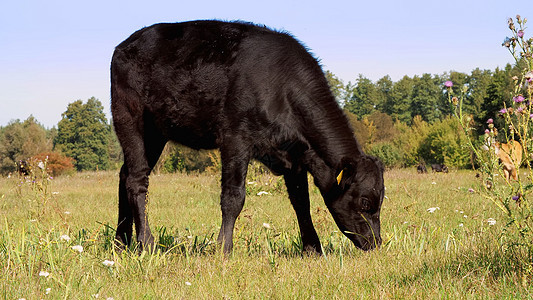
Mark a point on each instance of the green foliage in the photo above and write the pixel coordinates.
(446, 143)
(388, 153)
(400, 100)
(426, 94)
(364, 98)
(178, 158)
(409, 139)
(83, 134)
(20, 141)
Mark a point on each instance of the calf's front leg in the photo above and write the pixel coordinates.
(234, 169)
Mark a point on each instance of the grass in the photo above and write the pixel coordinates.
(450, 253)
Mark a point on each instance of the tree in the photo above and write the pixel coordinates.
(384, 88)
(400, 100)
(364, 99)
(83, 134)
(384, 125)
(20, 141)
(426, 94)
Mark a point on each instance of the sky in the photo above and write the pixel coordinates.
(53, 53)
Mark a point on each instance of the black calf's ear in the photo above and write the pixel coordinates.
(345, 175)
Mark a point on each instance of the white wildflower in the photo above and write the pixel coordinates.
(78, 248)
(266, 225)
(263, 193)
(433, 209)
(67, 212)
(461, 225)
(40, 165)
(465, 216)
(433, 182)
(47, 291)
(108, 263)
(188, 283)
(251, 182)
(55, 193)
(44, 274)
(491, 221)
(65, 237)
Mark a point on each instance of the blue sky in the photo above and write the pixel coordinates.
(55, 52)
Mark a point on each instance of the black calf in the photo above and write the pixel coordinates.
(253, 93)
(439, 168)
(421, 168)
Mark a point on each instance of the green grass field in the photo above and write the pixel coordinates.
(450, 253)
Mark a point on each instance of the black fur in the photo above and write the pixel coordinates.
(253, 93)
(421, 168)
(439, 168)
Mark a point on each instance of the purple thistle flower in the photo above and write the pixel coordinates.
(520, 110)
(490, 121)
(531, 116)
(520, 33)
(503, 111)
(448, 84)
(516, 197)
(518, 99)
(487, 131)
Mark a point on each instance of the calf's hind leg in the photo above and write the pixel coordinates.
(141, 152)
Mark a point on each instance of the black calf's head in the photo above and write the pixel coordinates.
(356, 205)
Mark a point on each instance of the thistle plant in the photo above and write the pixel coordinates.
(511, 196)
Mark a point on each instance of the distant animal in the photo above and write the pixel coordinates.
(510, 155)
(421, 168)
(23, 168)
(439, 168)
(253, 93)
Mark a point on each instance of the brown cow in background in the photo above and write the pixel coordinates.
(510, 155)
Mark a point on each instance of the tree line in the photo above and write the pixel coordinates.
(403, 123)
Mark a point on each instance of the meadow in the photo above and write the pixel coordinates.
(440, 240)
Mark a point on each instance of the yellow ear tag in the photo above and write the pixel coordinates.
(339, 178)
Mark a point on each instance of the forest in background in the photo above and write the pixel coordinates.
(403, 123)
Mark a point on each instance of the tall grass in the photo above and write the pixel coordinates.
(451, 252)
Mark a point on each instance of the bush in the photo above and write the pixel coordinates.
(446, 143)
(389, 154)
(56, 163)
